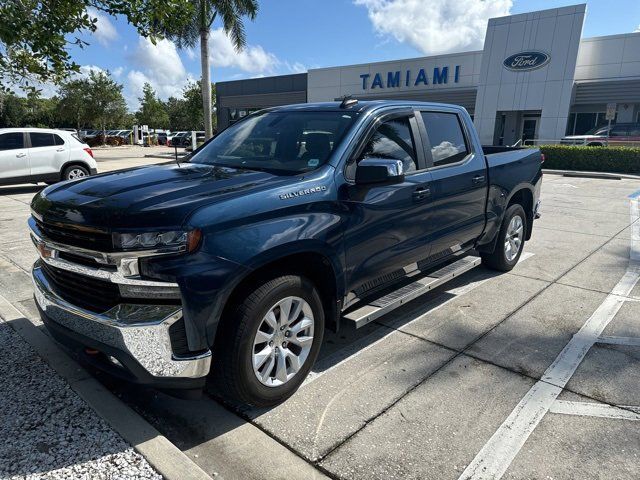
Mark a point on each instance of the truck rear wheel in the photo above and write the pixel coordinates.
(510, 241)
(269, 342)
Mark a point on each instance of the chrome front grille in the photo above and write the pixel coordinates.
(93, 239)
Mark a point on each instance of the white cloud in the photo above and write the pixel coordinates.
(253, 58)
(105, 32)
(637, 30)
(191, 53)
(436, 26)
(159, 65)
(86, 69)
(295, 67)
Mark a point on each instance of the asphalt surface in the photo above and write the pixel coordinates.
(530, 374)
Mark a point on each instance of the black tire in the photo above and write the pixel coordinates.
(233, 374)
(73, 171)
(498, 260)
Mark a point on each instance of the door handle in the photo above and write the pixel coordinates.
(20, 155)
(59, 149)
(421, 193)
(478, 179)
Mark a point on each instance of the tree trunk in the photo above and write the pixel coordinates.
(206, 82)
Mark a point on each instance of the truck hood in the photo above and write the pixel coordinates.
(147, 197)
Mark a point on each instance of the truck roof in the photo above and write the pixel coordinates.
(360, 106)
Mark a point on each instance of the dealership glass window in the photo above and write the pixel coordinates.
(582, 122)
(236, 114)
(393, 139)
(445, 134)
(11, 141)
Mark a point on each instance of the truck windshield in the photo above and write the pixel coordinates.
(283, 142)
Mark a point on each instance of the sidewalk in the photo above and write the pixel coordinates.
(47, 431)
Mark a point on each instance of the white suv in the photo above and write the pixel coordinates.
(31, 155)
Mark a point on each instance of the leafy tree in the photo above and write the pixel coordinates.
(72, 107)
(187, 113)
(35, 34)
(231, 13)
(152, 111)
(32, 111)
(13, 110)
(106, 106)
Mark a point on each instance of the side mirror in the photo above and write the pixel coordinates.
(379, 170)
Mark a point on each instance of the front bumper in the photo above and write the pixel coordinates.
(135, 335)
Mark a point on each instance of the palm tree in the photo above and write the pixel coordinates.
(231, 13)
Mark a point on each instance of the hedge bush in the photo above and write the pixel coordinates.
(102, 140)
(594, 159)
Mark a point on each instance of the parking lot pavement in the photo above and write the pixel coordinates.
(530, 374)
(116, 158)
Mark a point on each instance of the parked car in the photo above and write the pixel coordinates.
(85, 134)
(185, 140)
(170, 137)
(162, 138)
(200, 138)
(621, 134)
(293, 220)
(31, 155)
(126, 135)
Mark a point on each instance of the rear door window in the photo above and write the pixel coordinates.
(446, 138)
(58, 139)
(11, 141)
(39, 139)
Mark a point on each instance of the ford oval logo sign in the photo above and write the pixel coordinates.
(524, 61)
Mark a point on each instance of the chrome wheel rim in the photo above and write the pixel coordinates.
(513, 240)
(283, 341)
(76, 173)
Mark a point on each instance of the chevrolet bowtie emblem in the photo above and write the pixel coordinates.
(45, 252)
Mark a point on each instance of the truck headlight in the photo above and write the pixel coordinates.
(147, 240)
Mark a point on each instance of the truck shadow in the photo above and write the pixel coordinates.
(20, 189)
(347, 396)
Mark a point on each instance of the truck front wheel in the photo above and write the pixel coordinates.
(510, 241)
(269, 342)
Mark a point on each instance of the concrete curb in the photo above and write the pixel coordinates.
(580, 173)
(164, 456)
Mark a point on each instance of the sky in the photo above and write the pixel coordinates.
(290, 36)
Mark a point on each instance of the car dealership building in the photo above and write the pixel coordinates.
(535, 79)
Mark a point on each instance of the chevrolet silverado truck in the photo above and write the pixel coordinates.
(228, 266)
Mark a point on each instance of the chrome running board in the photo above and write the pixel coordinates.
(383, 305)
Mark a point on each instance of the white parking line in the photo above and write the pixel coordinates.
(351, 351)
(494, 458)
(588, 409)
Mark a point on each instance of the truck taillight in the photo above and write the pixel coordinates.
(88, 150)
(542, 158)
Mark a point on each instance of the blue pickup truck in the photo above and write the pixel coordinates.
(229, 265)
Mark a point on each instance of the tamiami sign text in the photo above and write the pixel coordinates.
(399, 78)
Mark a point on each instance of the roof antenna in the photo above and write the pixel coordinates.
(348, 101)
(176, 153)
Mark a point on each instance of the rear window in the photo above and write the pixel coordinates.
(448, 144)
(39, 139)
(11, 141)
